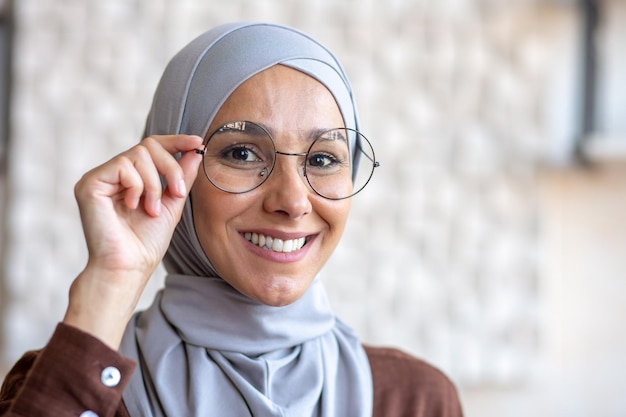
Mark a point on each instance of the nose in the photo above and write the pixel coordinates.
(286, 190)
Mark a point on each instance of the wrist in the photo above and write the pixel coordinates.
(102, 302)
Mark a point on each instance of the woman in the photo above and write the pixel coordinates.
(242, 186)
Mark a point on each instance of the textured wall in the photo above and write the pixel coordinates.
(440, 256)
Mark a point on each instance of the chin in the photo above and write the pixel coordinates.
(280, 293)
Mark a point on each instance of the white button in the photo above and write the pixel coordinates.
(88, 413)
(110, 376)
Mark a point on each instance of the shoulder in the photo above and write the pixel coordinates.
(390, 364)
(405, 386)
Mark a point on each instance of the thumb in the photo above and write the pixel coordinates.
(190, 163)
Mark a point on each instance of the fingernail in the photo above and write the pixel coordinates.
(182, 187)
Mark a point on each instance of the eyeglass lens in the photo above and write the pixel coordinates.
(241, 155)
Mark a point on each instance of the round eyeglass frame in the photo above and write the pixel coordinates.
(268, 170)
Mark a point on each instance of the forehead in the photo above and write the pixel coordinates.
(281, 98)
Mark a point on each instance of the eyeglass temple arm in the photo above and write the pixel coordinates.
(376, 163)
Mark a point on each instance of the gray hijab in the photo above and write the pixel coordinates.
(202, 348)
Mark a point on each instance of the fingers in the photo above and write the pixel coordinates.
(179, 174)
(155, 158)
(135, 175)
(140, 178)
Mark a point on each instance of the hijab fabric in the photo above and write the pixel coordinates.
(203, 348)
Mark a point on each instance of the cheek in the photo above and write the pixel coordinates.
(213, 212)
(335, 214)
(208, 212)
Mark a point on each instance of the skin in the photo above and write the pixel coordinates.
(291, 105)
(128, 219)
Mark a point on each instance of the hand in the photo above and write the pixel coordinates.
(128, 220)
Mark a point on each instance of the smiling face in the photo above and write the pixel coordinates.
(235, 230)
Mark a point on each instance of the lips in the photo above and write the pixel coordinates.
(275, 244)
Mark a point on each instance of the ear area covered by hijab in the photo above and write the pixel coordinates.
(202, 348)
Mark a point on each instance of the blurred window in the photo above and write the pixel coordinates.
(604, 63)
(611, 98)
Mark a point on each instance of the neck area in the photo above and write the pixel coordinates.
(209, 313)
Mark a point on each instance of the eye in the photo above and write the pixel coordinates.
(322, 160)
(240, 153)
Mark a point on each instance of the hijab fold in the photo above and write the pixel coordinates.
(202, 348)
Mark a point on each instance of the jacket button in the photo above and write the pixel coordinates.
(110, 376)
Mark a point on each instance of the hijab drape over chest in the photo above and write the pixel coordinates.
(203, 348)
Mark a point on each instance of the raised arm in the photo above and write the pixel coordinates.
(128, 219)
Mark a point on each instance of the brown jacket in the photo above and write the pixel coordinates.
(65, 380)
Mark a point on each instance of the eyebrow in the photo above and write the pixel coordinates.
(242, 127)
(336, 134)
(314, 134)
(259, 129)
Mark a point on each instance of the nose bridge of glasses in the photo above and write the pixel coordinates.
(290, 153)
(278, 165)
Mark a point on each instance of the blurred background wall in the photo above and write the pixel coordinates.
(491, 242)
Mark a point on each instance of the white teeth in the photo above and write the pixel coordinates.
(275, 244)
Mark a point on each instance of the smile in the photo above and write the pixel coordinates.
(275, 244)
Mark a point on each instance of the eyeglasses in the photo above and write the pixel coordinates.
(241, 155)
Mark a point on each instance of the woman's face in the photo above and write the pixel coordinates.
(292, 106)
